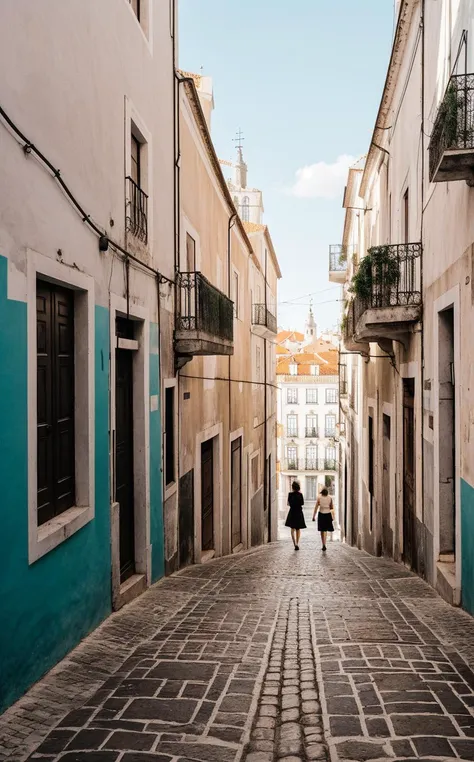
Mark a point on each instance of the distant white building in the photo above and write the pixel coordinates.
(308, 414)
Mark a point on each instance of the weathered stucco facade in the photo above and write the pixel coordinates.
(407, 397)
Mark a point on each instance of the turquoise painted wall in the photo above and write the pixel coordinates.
(48, 607)
(467, 533)
(156, 502)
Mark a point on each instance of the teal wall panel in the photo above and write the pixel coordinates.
(49, 606)
(156, 476)
(467, 547)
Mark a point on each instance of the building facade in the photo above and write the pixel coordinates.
(308, 417)
(137, 316)
(406, 264)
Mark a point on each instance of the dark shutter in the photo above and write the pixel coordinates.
(55, 400)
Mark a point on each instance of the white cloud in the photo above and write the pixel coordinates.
(322, 180)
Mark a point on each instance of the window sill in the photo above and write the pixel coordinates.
(170, 489)
(55, 531)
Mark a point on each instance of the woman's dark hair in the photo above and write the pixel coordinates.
(324, 492)
(295, 487)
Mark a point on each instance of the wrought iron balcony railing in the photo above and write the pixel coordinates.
(451, 146)
(309, 464)
(136, 211)
(292, 433)
(202, 307)
(311, 432)
(330, 433)
(338, 256)
(262, 316)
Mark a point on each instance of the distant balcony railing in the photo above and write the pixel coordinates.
(309, 464)
(452, 137)
(264, 317)
(311, 432)
(329, 433)
(136, 211)
(202, 307)
(338, 256)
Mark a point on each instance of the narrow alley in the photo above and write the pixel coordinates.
(265, 655)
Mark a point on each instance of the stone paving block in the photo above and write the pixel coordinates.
(361, 750)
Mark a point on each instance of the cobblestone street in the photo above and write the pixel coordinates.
(266, 655)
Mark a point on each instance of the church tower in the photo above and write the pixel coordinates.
(248, 201)
(310, 327)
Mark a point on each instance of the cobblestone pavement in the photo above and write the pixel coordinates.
(264, 656)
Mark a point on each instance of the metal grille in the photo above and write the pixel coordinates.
(136, 211)
(311, 431)
(454, 124)
(338, 256)
(343, 385)
(202, 307)
(309, 464)
(396, 275)
(263, 316)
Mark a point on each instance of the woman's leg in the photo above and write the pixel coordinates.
(323, 537)
(298, 535)
(293, 535)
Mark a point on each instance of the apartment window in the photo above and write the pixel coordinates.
(169, 436)
(255, 473)
(55, 400)
(315, 370)
(245, 209)
(292, 425)
(311, 488)
(330, 426)
(136, 8)
(311, 396)
(293, 369)
(330, 484)
(311, 425)
(406, 217)
(292, 458)
(292, 396)
(190, 253)
(331, 396)
(311, 458)
(137, 199)
(235, 293)
(330, 457)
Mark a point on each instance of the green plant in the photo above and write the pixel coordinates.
(377, 274)
(361, 284)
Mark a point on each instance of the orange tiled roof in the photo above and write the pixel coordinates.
(292, 335)
(196, 77)
(304, 368)
(320, 345)
(253, 227)
(282, 350)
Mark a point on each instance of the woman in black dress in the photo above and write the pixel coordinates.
(295, 519)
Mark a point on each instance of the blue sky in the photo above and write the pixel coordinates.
(303, 79)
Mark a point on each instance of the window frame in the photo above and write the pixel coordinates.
(291, 402)
(171, 487)
(328, 393)
(245, 209)
(134, 126)
(288, 416)
(311, 480)
(326, 427)
(44, 538)
(293, 368)
(314, 401)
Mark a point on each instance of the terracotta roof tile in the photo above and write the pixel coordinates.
(253, 227)
(196, 77)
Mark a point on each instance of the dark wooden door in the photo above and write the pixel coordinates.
(386, 530)
(124, 459)
(371, 471)
(207, 495)
(236, 491)
(269, 497)
(409, 554)
(55, 400)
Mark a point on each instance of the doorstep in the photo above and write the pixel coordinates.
(446, 580)
(207, 555)
(130, 589)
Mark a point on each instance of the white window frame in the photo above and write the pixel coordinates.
(293, 369)
(145, 23)
(172, 487)
(42, 539)
(316, 395)
(135, 124)
(235, 295)
(292, 402)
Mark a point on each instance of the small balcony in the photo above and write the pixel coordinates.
(390, 303)
(308, 464)
(451, 146)
(264, 322)
(330, 433)
(204, 321)
(292, 433)
(290, 464)
(338, 256)
(136, 211)
(311, 432)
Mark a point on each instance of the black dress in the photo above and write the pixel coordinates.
(295, 518)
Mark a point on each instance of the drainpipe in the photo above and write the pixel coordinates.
(422, 336)
(230, 225)
(265, 433)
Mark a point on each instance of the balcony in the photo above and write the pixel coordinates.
(309, 464)
(390, 302)
(338, 255)
(451, 146)
(311, 432)
(204, 321)
(136, 211)
(330, 433)
(264, 322)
